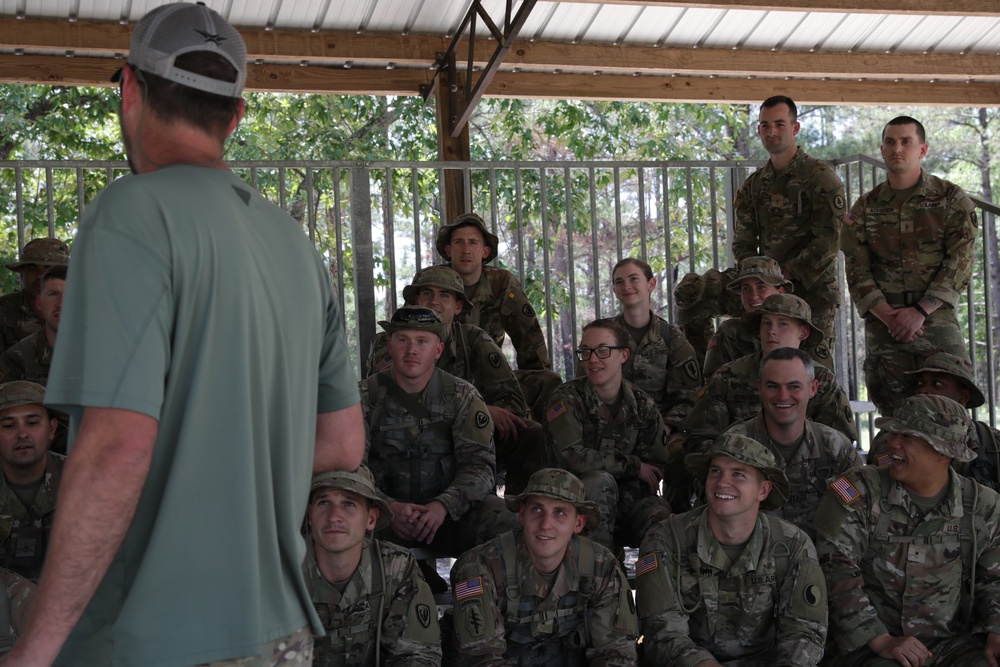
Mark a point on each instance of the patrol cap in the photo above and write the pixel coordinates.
(744, 449)
(942, 422)
(787, 305)
(360, 482)
(467, 219)
(441, 276)
(20, 392)
(558, 484)
(415, 318)
(43, 252)
(764, 269)
(958, 367)
(174, 29)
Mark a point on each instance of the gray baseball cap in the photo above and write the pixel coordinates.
(942, 422)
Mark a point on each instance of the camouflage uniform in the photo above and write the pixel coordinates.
(731, 396)
(289, 651)
(700, 299)
(899, 253)
(391, 593)
(18, 317)
(24, 531)
(795, 218)
(446, 454)
(28, 359)
(730, 342)
(20, 595)
(664, 366)
(823, 455)
(606, 452)
(587, 617)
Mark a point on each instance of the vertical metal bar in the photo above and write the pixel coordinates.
(282, 193)
(467, 191)
(668, 250)
(81, 193)
(730, 188)
(19, 206)
(363, 254)
(50, 209)
(715, 217)
(310, 206)
(253, 178)
(338, 222)
(595, 269)
(415, 191)
(570, 263)
(442, 199)
(519, 221)
(618, 211)
(642, 217)
(991, 379)
(390, 241)
(690, 217)
(546, 269)
(494, 207)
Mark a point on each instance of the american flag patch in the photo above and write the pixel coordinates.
(850, 219)
(468, 588)
(845, 489)
(883, 460)
(556, 410)
(712, 342)
(645, 564)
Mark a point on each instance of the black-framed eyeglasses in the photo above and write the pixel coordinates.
(602, 351)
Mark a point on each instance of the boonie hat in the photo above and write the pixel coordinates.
(360, 482)
(440, 276)
(787, 305)
(744, 449)
(172, 30)
(942, 422)
(444, 235)
(959, 367)
(764, 269)
(21, 392)
(415, 318)
(558, 484)
(43, 252)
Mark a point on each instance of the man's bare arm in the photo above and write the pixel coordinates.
(340, 439)
(101, 483)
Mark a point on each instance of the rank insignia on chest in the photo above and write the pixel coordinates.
(646, 564)
(845, 489)
(469, 588)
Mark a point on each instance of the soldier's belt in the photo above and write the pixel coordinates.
(904, 299)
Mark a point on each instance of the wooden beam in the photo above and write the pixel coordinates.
(924, 7)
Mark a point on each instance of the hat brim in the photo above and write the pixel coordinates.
(385, 514)
(751, 325)
(410, 293)
(585, 507)
(976, 397)
(444, 239)
(440, 330)
(17, 266)
(698, 464)
(774, 281)
(940, 445)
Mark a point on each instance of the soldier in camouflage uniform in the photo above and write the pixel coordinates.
(909, 250)
(544, 595)
(791, 210)
(758, 278)
(610, 434)
(18, 310)
(430, 443)
(375, 605)
(943, 374)
(911, 552)
(14, 615)
(726, 583)
(29, 359)
(811, 455)
(470, 354)
(783, 320)
(31, 475)
(701, 298)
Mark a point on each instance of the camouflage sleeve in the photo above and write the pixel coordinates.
(841, 541)
(521, 324)
(854, 242)
(879, 448)
(651, 441)
(479, 636)
(611, 623)
(801, 622)
(828, 207)
(566, 446)
(709, 416)
(831, 407)
(500, 385)
(746, 239)
(410, 632)
(475, 457)
(960, 231)
(20, 596)
(683, 379)
(987, 583)
(378, 355)
(9, 368)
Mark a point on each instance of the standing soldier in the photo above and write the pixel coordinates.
(790, 210)
(908, 244)
(18, 310)
(30, 358)
(544, 594)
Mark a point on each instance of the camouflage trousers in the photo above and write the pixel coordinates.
(480, 523)
(627, 509)
(888, 361)
(963, 650)
(295, 650)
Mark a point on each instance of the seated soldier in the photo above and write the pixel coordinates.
(15, 608)
(726, 584)
(811, 455)
(544, 594)
(18, 310)
(911, 551)
(31, 475)
(943, 374)
(470, 354)
(700, 299)
(30, 358)
(730, 396)
(370, 595)
(610, 434)
(758, 278)
(430, 443)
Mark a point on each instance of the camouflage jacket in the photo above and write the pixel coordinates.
(824, 455)
(501, 305)
(586, 618)
(583, 436)
(24, 531)
(665, 367)
(729, 343)
(28, 359)
(768, 607)
(17, 318)
(470, 354)
(409, 627)
(893, 567)
(794, 218)
(983, 440)
(731, 396)
(923, 246)
(445, 454)
(20, 596)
